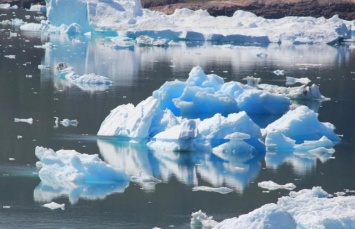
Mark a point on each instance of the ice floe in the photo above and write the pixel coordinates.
(270, 185)
(222, 190)
(86, 79)
(26, 120)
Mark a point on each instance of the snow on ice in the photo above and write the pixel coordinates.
(128, 18)
(308, 208)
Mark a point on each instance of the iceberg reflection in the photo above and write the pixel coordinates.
(235, 170)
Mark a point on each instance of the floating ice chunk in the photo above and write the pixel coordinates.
(67, 122)
(261, 55)
(295, 93)
(268, 216)
(5, 6)
(69, 166)
(279, 72)
(38, 7)
(86, 79)
(252, 81)
(120, 43)
(270, 185)
(43, 67)
(292, 80)
(54, 206)
(201, 220)
(27, 120)
(222, 190)
(302, 124)
(47, 45)
(10, 56)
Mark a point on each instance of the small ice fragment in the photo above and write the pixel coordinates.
(279, 72)
(11, 159)
(10, 56)
(225, 71)
(261, 55)
(28, 76)
(270, 185)
(67, 122)
(19, 136)
(200, 219)
(292, 80)
(221, 190)
(54, 205)
(43, 66)
(6, 207)
(28, 120)
(340, 193)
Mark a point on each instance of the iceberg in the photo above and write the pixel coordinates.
(54, 205)
(128, 18)
(69, 173)
(307, 208)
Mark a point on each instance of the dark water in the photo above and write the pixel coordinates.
(29, 92)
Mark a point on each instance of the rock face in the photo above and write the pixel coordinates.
(265, 8)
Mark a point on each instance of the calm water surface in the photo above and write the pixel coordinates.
(29, 92)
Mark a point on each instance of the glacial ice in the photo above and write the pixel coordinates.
(222, 190)
(86, 79)
(69, 173)
(128, 18)
(307, 208)
(203, 112)
(26, 120)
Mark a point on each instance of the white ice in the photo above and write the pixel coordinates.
(308, 208)
(54, 206)
(86, 79)
(69, 166)
(67, 122)
(27, 120)
(222, 190)
(270, 185)
(128, 18)
(38, 7)
(292, 80)
(69, 173)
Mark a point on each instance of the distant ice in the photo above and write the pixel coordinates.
(279, 72)
(54, 206)
(67, 122)
(292, 80)
(86, 79)
(222, 190)
(270, 185)
(128, 18)
(27, 120)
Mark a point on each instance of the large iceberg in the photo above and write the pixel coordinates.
(128, 18)
(206, 113)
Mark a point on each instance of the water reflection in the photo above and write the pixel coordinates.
(235, 171)
(301, 162)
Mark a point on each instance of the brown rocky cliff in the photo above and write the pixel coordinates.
(265, 8)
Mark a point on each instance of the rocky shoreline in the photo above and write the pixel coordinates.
(272, 10)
